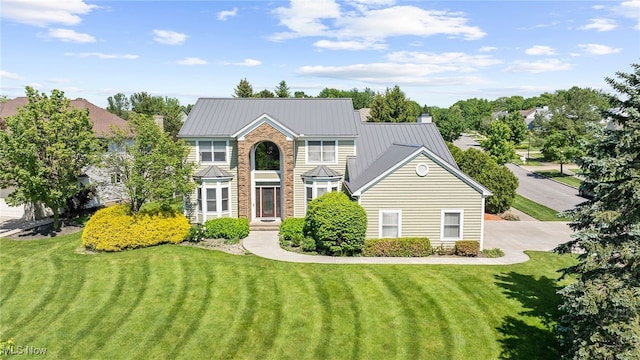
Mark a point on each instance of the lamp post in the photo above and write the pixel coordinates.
(528, 144)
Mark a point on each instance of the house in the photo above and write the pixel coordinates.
(109, 189)
(265, 159)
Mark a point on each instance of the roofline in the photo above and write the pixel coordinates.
(456, 172)
(265, 118)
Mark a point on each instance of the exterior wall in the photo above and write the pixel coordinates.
(422, 199)
(345, 148)
(231, 167)
(264, 132)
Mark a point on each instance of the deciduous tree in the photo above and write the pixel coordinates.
(601, 308)
(119, 105)
(393, 106)
(47, 146)
(449, 122)
(561, 146)
(497, 144)
(517, 127)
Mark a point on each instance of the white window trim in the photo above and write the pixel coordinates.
(226, 154)
(306, 152)
(315, 185)
(218, 186)
(444, 211)
(394, 211)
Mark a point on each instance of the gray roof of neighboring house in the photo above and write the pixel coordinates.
(321, 171)
(212, 172)
(309, 117)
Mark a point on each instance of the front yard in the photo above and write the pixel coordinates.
(184, 302)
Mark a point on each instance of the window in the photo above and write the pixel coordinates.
(116, 179)
(213, 199)
(452, 224)
(321, 151)
(314, 189)
(225, 199)
(390, 223)
(212, 151)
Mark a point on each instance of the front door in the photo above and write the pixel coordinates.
(268, 202)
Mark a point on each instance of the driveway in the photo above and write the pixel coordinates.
(512, 237)
(547, 192)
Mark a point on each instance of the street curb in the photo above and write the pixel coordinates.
(546, 177)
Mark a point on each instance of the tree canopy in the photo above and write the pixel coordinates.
(393, 106)
(497, 143)
(450, 122)
(47, 147)
(243, 89)
(282, 90)
(601, 308)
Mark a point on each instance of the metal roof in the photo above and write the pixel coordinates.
(212, 172)
(321, 171)
(223, 117)
(390, 158)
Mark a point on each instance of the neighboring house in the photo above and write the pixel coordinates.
(265, 159)
(109, 189)
(529, 116)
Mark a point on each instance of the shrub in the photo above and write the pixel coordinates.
(498, 179)
(509, 216)
(196, 233)
(398, 247)
(336, 223)
(443, 250)
(116, 229)
(467, 248)
(227, 228)
(291, 229)
(308, 244)
(492, 253)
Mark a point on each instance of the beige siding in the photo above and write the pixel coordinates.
(422, 199)
(345, 148)
(232, 168)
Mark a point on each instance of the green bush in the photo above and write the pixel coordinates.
(336, 223)
(227, 228)
(115, 229)
(397, 247)
(196, 233)
(308, 244)
(291, 229)
(492, 253)
(467, 248)
(498, 179)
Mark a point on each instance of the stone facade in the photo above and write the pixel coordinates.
(264, 132)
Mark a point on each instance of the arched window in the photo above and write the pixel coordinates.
(267, 156)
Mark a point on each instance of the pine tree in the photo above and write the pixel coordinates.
(243, 89)
(282, 91)
(601, 309)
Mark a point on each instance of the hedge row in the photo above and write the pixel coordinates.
(115, 229)
(467, 248)
(397, 247)
(227, 228)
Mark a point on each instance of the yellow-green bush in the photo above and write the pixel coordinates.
(115, 229)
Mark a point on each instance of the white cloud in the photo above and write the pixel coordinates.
(536, 67)
(245, 62)
(598, 49)
(58, 80)
(191, 61)
(449, 61)
(45, 12)
(349, 45)
(225, 14)
(104, 56)
(597, 7)
(68, 35)
(10, 76)
(487, 49)
(169, 37)
(630, 9)
(540, 50)
(371, 22)
(600, 25)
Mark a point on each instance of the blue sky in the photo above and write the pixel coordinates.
(437, 52)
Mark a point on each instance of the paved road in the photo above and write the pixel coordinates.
(465, 142)
(557, 196)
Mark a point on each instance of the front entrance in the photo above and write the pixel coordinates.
(268, 202)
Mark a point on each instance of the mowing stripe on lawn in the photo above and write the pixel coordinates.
(355, 307)
(388, 342)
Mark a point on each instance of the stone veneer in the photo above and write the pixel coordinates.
(264, 132)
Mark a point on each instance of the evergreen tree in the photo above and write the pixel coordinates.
(601, 309)
(48, 145)
(264, 94)
(243, 89)
(282, 91)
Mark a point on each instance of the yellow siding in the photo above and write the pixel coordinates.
(421, 200)
(345, 148)
(232, 168)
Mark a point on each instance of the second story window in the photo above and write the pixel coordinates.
(321, 151)
(213, 151)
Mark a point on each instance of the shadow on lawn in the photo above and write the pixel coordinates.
(530, 335)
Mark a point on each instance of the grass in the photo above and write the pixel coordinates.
(173, 301)
(563, 178)
(536, 210)
(532, 161)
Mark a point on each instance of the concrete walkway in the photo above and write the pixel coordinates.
(10, 226)
(512, 237)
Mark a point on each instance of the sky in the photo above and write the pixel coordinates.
(438, 52)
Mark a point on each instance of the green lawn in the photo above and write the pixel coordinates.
(172, 301)
(563, 178)
(536, 210)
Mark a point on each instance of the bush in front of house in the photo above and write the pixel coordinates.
(227, 228)
(196, 233)
(336, 223)
(116, 229)
(467, 248)
(291, 229)
(397, 247)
